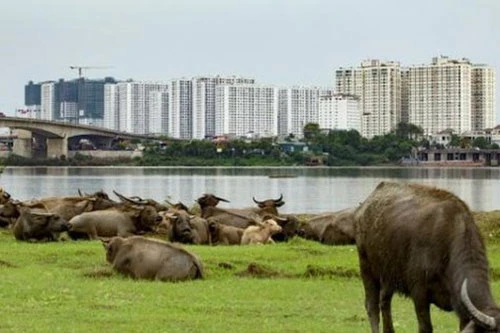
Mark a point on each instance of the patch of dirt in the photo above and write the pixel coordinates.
(259, 271)
(99, 273)
(355, 318)
(495, 274)
(6, 264)
(315, 271)
(225, 265)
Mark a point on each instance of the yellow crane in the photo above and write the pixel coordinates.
(80, 68)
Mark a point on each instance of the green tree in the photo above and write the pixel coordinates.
(480, 142)
(311, 131)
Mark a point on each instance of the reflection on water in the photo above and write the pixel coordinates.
(308, 190)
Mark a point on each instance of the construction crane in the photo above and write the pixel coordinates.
(80, 68)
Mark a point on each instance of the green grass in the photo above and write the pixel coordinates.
(299, 286)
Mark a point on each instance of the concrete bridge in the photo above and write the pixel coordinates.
(52, 139)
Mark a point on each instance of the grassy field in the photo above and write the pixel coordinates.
(300, 286)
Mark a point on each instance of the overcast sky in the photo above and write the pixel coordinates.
(281, 42)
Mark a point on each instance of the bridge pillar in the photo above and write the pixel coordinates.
(57, 147)
(22, 145)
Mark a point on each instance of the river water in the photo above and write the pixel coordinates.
(305, 190)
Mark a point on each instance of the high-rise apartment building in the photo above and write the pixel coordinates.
(79, 101)
(158, 113)
(483, 103)
(339, 111)
(49, 106)
(298, 106)
(439, 95)
(378, 86)
(180, 117)
(243, 110)
(111, 117)
(133, 107)
(192, 105)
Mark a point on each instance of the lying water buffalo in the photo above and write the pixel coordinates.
(143, 258)
(289, 228)
(36, 225)
(178, 226)
(124, 220)
(423, 242)
(221, 234)
(335, 228)
(238, 217)
(261, 233)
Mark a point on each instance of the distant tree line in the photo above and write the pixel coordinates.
(330, 148)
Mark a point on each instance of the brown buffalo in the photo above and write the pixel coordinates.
(177, 223)
(33, 224)
(122, 220)
(143, 258)
(4, 196)
(11, 210)
(69, 206)
(289, 228)
(221, 234)
(238, 217)
(340, 231)
(423, 242)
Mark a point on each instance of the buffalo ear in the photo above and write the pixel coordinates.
(105, 241)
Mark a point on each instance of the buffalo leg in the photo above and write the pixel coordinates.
(372, 296)
(385, 307)
(422, 309)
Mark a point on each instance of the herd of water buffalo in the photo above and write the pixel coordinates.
(411, 239)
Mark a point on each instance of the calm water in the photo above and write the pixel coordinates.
(305, 190)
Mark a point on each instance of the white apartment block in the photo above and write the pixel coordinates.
(339, 111)
(193, 105)
(48, 101)
(439, 95)
(298, 106)
(111, 117)
(378, 86)
(246, 109)
(483, 94)
(133, 105)
(180, 117)
(158, 113)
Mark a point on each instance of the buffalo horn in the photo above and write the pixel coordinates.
(257, 202)
(122, 197)
(221, 199)
(480, 317)
(280, 198)
(80, 193)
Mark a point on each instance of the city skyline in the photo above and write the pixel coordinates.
(288, 43)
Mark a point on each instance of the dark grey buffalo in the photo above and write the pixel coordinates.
(143, 258)
(423, 242)
(33, 225)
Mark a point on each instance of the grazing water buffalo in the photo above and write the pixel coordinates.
(143, 258)
(423, 242)
(36, 225)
